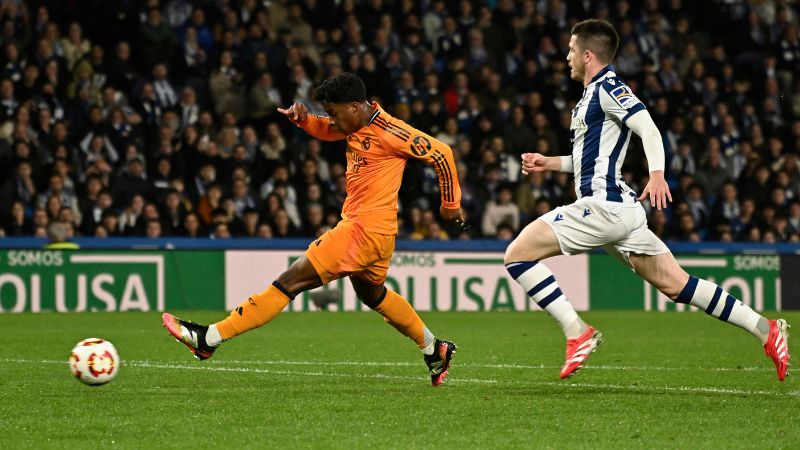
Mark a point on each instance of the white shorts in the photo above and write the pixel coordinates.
(620, 228)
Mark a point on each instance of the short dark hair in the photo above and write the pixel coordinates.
(599, 36)
(343, 88)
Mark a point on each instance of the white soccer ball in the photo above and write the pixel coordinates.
(94, 361)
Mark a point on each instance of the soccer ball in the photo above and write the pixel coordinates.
(94, 361)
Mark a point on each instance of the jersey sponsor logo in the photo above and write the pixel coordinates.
(624, 96)
(420, 146)
(355, 162)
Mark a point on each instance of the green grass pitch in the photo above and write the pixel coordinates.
(347, 380)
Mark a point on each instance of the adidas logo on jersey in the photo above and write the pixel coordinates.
(558, 217)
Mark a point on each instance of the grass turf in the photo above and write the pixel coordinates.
(343, 380)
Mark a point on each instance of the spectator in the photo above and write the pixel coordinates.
(156, 40)
(250, 223)
(263, 99)
(131, 221)
(165, 93)
(59, 235)
(487, 79)
(153, 229)
(74, 45)
(57, 191)
(121, 72)
(18, 224)
(225, 87)
(192, 226)
(21, 186)
(132, 181)
(713, 174)
(501, 211)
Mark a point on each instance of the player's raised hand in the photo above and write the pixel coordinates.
(296, 113)
(657, 191)
(533, 162)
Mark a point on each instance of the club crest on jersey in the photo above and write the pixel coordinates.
(420, 145)
(624, 96)
(365, 144)
(578, 124)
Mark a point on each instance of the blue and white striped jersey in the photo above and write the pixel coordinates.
(600, 138)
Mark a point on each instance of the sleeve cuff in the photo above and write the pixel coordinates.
(451, 205)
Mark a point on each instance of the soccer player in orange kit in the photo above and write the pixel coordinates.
(360, 246)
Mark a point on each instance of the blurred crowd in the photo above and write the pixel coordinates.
(158, 118)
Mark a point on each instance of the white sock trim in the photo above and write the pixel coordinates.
(213, 338)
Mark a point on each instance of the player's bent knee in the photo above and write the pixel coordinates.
(371, 300)
(299, 277)
(370, 295)
(513, 253)
(672, 287)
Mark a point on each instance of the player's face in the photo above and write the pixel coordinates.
(344, 115)
(576, 60)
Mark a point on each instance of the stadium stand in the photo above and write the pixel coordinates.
(175, 133)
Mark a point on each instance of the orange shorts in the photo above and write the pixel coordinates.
(349, 250)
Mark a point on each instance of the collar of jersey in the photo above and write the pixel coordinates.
(603, 71)
(378, 111)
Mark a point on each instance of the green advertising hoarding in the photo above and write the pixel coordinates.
(149, 280)
(76, 281)
(754, 279)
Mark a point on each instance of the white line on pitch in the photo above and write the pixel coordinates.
(492, 366)
(567, 384)
(589, 366)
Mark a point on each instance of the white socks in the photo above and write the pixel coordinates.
(541, 286)
(718, 303)
(429, 341)
(213, 337)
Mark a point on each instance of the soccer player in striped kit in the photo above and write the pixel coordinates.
(608, 213)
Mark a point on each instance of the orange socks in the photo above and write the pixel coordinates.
(398, 313)
(263, 307)
(255, 311)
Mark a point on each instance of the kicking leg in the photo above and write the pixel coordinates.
(522, 259)
(398, 313)
(664, 272)
(252, 313)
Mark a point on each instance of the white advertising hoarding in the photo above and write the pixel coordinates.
(440, 281)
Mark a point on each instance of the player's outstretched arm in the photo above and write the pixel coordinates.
(657, 189)
(535, 162)
(319, 127)
(411, 142)
(440, 156)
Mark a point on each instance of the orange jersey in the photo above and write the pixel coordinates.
(376, 157)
